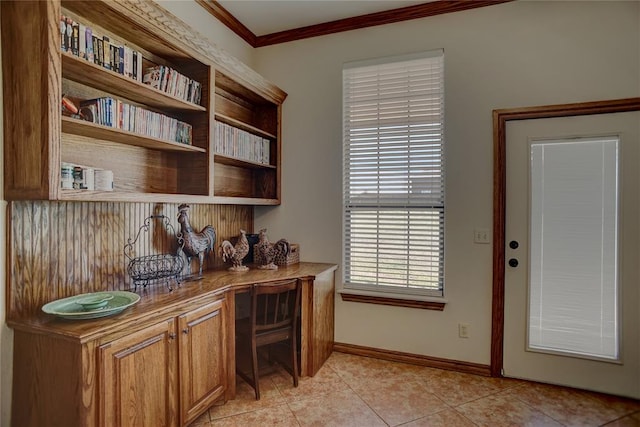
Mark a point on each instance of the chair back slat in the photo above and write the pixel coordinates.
(274, 304)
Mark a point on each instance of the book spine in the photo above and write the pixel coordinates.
(98, 49)
(115, 57)
(89, 44)
(75, 38)
(126, 60)
(106, 53)
(139, 67)
(68, 35)
(63, 33)
(82, 41)
(121, 59)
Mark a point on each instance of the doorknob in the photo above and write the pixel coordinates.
(514, 244)
(513, 262)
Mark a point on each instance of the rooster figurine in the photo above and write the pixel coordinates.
(236, 253)
(195, 244)
(269, 251)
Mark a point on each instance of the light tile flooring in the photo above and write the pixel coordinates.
(360, 391)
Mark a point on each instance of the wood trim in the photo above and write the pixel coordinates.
(396, 302)
(424, 10)
(414, 359)
(373, 19)
(500, 119)
(223, 15)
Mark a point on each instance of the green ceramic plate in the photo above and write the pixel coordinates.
(70, 308)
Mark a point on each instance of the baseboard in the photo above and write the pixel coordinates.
(414, 359)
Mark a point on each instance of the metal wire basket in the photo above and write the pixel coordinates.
(164, 267)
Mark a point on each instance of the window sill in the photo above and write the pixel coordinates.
(424, 302)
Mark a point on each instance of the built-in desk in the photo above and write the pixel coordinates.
(163, 361)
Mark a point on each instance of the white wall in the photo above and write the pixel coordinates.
(209, 27)
(509, 55)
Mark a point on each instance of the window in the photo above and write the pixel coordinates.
(393, 174)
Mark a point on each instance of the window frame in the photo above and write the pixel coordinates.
(412, 296)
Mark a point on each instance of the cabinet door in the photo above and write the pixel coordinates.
(138, 378)
(203, 358)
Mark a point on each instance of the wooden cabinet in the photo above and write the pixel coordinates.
(39, 138)
(149, 372)
(160, 376)
(203, 358)
(138, 378)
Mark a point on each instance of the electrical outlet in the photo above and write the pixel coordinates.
(481, 235)
(463, 330)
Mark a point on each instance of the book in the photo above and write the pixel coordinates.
(152, 77)
(106, 53)
(89, 44)
(63, 32)
(127, 59)
(82, 41)
(68, 35)
(98, 47)
(75, 38)
(139, 67)
(120, 59)
(114, 57)
(134, 64)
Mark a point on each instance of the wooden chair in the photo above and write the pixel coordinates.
(273, 319)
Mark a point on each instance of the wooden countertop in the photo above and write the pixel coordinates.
(157, 302)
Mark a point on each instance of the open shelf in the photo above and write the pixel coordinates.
(244, 126)
(129, 196)
(89, 129)
(90, 74)
(232, 161)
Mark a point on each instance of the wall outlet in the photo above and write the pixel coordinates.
(481, 235)
(463, 330)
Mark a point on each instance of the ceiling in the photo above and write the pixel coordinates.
(272, 16)
(267, 22)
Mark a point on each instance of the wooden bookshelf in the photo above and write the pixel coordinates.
(38, 138)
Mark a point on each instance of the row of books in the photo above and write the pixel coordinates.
(114, 113)
(233, 142)
(80, 40)
(80, 177)
(172, 82)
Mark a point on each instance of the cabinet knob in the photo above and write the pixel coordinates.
(172, 336)
(185, 331)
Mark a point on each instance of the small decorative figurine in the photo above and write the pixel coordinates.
(195, 244)
(236, 253)
(268, 252)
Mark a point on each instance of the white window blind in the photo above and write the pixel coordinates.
(573, 284)
(393, 174)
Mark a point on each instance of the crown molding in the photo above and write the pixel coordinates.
(223, 15)
(423, 10)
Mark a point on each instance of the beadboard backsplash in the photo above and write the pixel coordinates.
(60, 249)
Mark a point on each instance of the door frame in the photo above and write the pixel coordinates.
(500, 119)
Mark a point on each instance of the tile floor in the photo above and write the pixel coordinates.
(360, 391)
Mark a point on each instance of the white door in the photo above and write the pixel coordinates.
(572, 299)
